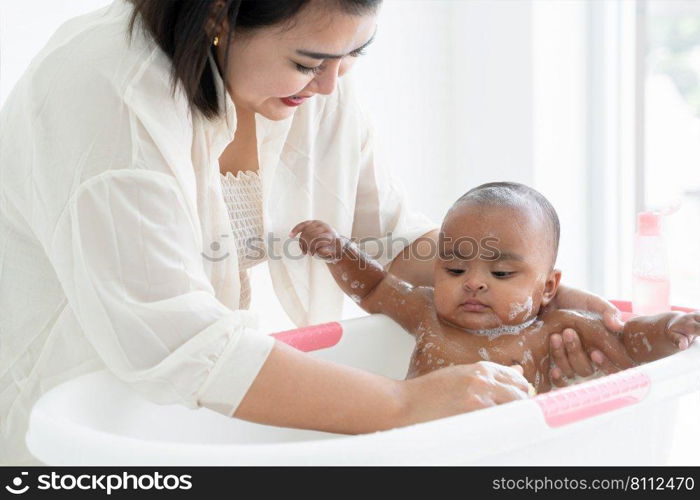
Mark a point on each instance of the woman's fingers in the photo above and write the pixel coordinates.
(599, 359)
(505, 392)
(614, 351)
(612, 319)
(556, 377)
(518, 368)
(559, 357)
(573, 298)
(512, 375)
(577, 357)
(602, 362)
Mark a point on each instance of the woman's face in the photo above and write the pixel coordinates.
(275, 69)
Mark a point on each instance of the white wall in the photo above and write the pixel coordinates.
(560, 106)
(449, 85)
(25, 27)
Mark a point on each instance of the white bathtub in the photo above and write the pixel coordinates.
(625, 418)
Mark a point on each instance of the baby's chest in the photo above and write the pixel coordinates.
(439, 350)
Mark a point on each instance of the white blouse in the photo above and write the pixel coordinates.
(243, 198)
(115, 241)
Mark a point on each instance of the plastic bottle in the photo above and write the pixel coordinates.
(651, 285)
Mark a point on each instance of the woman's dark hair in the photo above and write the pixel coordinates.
(179, 29)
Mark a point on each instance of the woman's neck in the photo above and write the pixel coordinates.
(242, 153)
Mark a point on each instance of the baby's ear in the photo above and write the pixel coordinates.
(551, 286)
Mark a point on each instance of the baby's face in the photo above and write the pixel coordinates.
(494, 267)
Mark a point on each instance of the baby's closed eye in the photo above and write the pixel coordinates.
(503, 274)
(495, 274)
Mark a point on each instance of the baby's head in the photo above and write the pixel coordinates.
(498, 246)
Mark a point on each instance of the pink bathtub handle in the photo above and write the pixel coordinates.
(312, 338)
(572, 404)
(625, 307)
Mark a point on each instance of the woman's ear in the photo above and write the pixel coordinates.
(551, 286)
(212, 27)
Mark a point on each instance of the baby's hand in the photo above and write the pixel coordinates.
(318, 238)
(683, 329)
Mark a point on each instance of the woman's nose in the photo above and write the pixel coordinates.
(328, 79)
(345, 65)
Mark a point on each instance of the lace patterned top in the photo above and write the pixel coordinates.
(243, 196)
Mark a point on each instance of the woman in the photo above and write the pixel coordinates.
(124, 246)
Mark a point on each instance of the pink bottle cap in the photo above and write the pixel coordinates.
(649, 224)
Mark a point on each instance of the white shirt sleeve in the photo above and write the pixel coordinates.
(126, 252)
(383, 219)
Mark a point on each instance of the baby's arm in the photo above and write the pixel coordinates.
(363, 278)
(643, 339)
(648, 338)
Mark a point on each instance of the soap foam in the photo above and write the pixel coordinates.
(517, 308)
(492, 333)
(577, 379)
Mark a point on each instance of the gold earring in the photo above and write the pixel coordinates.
(216, 41)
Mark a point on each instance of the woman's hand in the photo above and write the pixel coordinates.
(573, 298)
(462, 388)
(566, 351)
(294, 389)
(570, 359)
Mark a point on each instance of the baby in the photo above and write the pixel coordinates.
(492, 280)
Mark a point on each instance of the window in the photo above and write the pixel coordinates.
(644, 138)
(671, 166)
